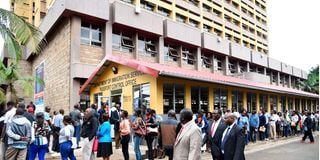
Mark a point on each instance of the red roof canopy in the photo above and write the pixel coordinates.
(156, 69)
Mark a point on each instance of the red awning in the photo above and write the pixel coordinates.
(156, 69)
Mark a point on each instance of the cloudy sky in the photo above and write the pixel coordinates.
(294, 31)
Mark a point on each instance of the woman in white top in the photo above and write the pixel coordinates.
(65, 135)
(294, 123)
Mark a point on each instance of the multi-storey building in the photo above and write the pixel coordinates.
(164, 54)
(33, 11)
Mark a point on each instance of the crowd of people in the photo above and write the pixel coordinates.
(26, 134)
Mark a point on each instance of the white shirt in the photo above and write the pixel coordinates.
(225, 132)
(215, 124)
(273, 119)
(295, 118)
(8, 116)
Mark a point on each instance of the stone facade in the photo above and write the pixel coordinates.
(56, 58)
(91, 54)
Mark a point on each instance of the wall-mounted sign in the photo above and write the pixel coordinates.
(39, 88)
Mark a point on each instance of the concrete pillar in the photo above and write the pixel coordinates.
(268, 103)
(179, 49)
(289, 85)
(198, 56)
(278, 103)
(258, 101)
(293, 103)
(108, 38)
(136, 44)
(300, 105)
(211, 99)
(188, 96)
(160, 46)
(225, 66)
(75, 97)
(265, 71)
(287, 105)
(244, 100)
(75, 39)
(278, 78)
(229, 99)
(238, 67)
(248, 67)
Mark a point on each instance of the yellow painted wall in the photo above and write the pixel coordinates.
(108, 83)
(156, 89)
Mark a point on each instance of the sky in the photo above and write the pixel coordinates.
(294, 31)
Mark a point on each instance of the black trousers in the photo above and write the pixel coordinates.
(55, 143)
(309, 134)
(125, 146)
(149, 140)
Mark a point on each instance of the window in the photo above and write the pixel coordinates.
(251, 102)
(218, 63)
(273, 103)
(221, 99)
(206, 61)
(296, 104)
(147, 46)
(263, 101)
(96, 97)
(232, 67)
(206, 28)
(206, 8)
(199, 99)
(128, 1)
(146, 5)
(237, 101)
(193, 23)
(283, 103)
(290, 104)
(141, 97)
(243, 67)
(173, 97)
(194, 2)
(274, 77)
(163, 11)
(91, 34)
(170, 53)
(303, 104)
(187, 57)
(180, 18)
(122, 42)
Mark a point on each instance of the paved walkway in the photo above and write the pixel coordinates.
(250, 148)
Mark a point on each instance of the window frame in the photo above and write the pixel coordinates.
(92, 42)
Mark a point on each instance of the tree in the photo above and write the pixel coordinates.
(17, 33)
(312, 83)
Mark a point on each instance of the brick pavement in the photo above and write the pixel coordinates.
(250, 148)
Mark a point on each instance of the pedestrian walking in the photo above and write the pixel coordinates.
(88, 133)
(187, 145)
(308, 128)
(214, 134)
(139, 129)
(115, 120)
(76, 118)
(105, 140)
(65, 142)
(254, 126)
(202, 123)
(232, 142)
(39, 141)
(125, 134)
(167, 133)
(57, 125)
(19, 135)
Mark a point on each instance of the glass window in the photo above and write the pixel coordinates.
(170, 53)
(309, 105)
(187, 56)
(199, 99)
(91, 34)
(116, 40)
(205, 61)
(122, 42)
(290, 104)
(296, 104)
(273, 103)
(251, 102)
(303, 104)
(173, 97)
(146, 46)
(221, 99)
(237, 101)
(283, 103)
(263, 101)
(96, 97)
(141, 97)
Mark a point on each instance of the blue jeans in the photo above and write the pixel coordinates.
(286, 131)
(267, 130)
(77, 133)
(66, 151)
(37, 149)
(137, 141)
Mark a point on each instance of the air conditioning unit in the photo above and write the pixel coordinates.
(138, 9)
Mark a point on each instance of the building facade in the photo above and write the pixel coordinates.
(196, 54)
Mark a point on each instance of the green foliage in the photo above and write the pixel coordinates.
(312, 83)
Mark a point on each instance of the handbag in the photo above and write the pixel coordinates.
(152, 131)
(140, 131)
(95, 144)
(262, 129)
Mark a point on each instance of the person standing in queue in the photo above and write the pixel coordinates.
(88, 132)
(125, 134)
(115, 120)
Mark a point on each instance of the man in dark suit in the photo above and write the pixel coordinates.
(214, 134)
(232, 141)
(115, 120)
